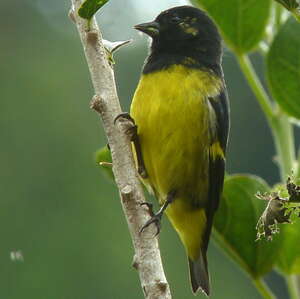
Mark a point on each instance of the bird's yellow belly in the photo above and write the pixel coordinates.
(173, 128)
(174, 138)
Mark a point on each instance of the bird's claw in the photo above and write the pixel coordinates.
(131, 129)
(125, 115)
(142, 172)
(156, 219)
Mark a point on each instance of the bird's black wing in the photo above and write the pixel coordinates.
(198, 269)
(217, 152)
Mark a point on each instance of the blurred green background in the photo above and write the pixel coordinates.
(56, 208)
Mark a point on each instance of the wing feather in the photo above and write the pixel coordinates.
(217, 152)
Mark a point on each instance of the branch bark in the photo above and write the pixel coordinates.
(147, 259)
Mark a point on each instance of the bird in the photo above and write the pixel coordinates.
(181, 114)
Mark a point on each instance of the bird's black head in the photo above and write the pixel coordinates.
(182, 33)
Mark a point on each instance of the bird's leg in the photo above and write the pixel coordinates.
(137, 145)
(156, 217)
(140, 161)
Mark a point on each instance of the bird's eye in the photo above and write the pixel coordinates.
(175, 20)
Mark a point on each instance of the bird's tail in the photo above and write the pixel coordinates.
(199, 274)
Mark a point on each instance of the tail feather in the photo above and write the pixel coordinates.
(199, 275)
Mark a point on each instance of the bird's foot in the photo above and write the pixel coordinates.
(131, 129)
(142, 171)
(125, 115)
(156, 219)
(132, 132)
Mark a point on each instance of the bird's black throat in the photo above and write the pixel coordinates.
(199, 54)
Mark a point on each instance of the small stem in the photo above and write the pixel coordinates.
(263, 289)
(296, 14)
(279, 123)
(278, 15)
(282, 131)
(297, 17)
(263, 48)
(297, 173)
(255, 84)
(292, 282)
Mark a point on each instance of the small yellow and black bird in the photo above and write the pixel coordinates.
(180, 108)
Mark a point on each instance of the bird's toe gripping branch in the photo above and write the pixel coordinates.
(132, 132)
(156, 217)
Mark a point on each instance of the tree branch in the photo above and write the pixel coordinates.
(147, 258)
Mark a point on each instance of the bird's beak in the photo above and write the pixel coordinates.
(150, 28)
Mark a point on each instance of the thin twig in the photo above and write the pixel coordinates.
(293, 286)
(263, 289)
(279, 122)
(147, 258)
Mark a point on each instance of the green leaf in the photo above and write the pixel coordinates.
(103, 159)
(289, 258)
(241, 22)
(235, 225)
(283, 67)
(90, 7)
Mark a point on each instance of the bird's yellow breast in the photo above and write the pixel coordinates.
(174, 119)
(171, 110)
